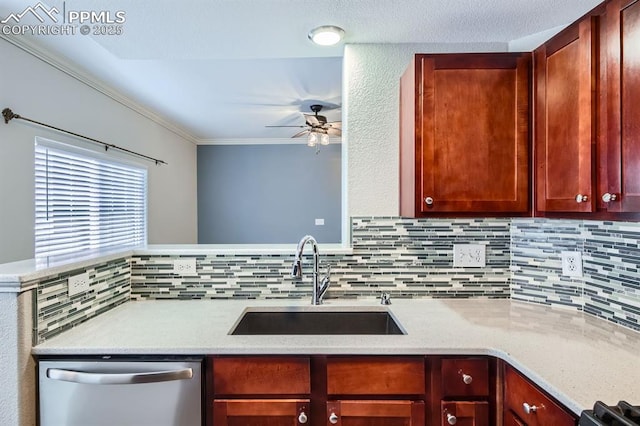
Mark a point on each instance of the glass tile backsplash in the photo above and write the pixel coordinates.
(405, 257)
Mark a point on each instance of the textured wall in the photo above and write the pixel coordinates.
(370, 110)
(9, 360)
(268, 194)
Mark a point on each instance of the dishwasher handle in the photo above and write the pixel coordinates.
(118, 378)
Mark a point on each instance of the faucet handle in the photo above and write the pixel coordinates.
(385, 299)
(328, 269)
(296, 269)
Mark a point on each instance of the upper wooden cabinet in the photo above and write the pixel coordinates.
(565, 121)
(619, 150)
(464, 134)
(587, 115)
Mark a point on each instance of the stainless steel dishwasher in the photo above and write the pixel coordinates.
(120, 392)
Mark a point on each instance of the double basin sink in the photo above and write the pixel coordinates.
(314, 321)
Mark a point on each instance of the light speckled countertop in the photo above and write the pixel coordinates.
(575, 357)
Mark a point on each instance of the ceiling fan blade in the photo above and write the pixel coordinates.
(334, 132)
(334, 125)
(312, 120)
(302, 133)
(299, 127)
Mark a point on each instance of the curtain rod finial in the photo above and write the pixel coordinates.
(8, 115)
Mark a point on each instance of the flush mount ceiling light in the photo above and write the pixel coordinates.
(327, 35)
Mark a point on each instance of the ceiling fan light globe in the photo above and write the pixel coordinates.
(324, 139)
(312, 139)
(327, 35)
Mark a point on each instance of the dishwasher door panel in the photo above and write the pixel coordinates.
(123, 393)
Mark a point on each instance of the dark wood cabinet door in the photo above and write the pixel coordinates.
(510, 419)
(565, 107)
(465, 413)
(468, 149)
(621, 141)
(260, 412)
(375, 413)
(532, 405)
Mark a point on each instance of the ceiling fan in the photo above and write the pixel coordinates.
(317, 128)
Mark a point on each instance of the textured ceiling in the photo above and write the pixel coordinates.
(226, 68)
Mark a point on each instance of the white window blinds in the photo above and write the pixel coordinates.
(86, 203)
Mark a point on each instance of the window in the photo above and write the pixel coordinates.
(86, 201)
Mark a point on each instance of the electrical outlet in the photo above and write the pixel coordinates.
(184, 266)
(78, 284)
(469, 255)
(571, 263)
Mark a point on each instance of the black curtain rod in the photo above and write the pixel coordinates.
(10, 115)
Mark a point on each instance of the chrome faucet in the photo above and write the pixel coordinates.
(319, 288)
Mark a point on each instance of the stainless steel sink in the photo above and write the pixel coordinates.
(311, 321)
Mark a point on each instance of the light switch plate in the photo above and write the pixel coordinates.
(184, 266)
(571, 263)
(469, 255)
(78, 284)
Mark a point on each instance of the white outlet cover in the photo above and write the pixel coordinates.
(319, 222)
(469, 256)
(184, 266)
(78, 284)
(571, 263)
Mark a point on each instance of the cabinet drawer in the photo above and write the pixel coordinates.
(465, 377)
(376, 375)
(250, 412)
(261, 376)
(465, 413)
(519, 391)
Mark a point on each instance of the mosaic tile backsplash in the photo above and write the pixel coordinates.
(109, 287)
(610, 285)
(405, 257)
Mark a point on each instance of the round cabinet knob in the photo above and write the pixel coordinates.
(429, 201)
(528, 409)
(451, 419)
(302, 418)
(608, 197)
(467, 379)
(580, 198)
(333, 418)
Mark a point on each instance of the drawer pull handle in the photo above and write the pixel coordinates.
(428, 201)
(608, 197)
(529, 409)
(467, 379)
(580, 198)
(451, 419)
(302, 418)
(333, 418)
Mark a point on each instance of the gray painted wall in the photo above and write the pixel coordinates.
(268, 193)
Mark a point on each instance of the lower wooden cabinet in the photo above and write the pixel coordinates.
(375, 413)
(510, 419)
(525, 403)
(321, 390)
(260, 412)
(465, 413)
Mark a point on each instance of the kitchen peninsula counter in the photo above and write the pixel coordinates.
(575, 357)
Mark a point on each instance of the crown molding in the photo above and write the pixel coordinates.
(91, 81)
(261, 141)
